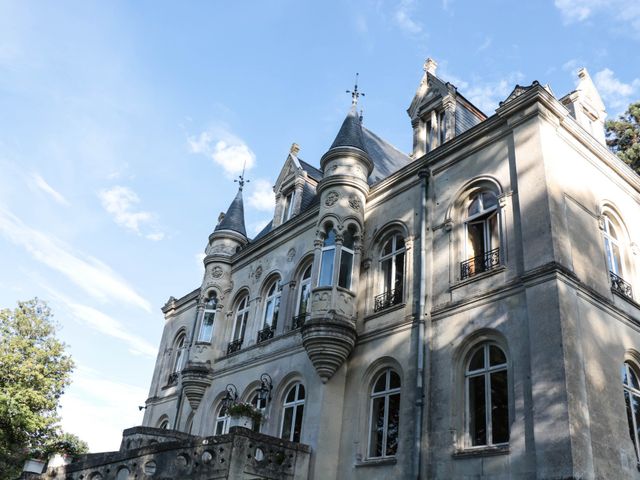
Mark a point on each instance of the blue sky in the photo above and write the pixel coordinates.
(122, 125)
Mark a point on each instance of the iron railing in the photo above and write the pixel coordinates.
(479, 264)
(298, 321)
(234, 346)
(266, 333)
(619, 285)
(387, 299)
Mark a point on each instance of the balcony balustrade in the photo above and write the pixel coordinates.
(387, 299)
(619, 285)
(480, 263)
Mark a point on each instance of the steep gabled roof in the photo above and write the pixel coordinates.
(234, 218)
(386, 158)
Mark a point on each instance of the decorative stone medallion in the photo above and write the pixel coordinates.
(216, 272)
(291, 255)
(354, 202)
(258, 273)
(332, 198)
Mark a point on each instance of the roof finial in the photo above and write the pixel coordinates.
(355, 94)
(241, 181)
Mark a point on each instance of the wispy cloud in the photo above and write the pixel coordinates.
(121, 203)
(582, 10)
(486, 44)
(90, 274)
(224, 148)
(616, 94)
(403, 17)
(49, 190)
(262, 197)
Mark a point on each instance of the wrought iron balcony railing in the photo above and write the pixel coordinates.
(387, 299)
(619, 285)
(173, 379)
(234, 346)
(266, 333)
(479, 264)
(298, 321)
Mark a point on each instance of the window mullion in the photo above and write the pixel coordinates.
(385, 420)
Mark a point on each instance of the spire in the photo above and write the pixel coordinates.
(350, 134)
(234, 218)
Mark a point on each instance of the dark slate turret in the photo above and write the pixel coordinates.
(350, 134)
(234, 218)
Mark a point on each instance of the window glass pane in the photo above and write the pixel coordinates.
(477, 361)
(307, 273)
(387, 248)
(399, 242)
(633, 379)
(613, 232)
(287, 423)
(623, 374)
(377, 427)
(300, 392)
(496, 356)
(399, 272)
(475, 239)
(493, 238)
(627, 401)
(477, 411)
(276, 310)
(305, 293)
(617, 262)
(386, 275)
(297, 428)
(346, 264)
(330, 240)
(489, 200)
(291, 396)
(348, 239)
(394, 381)
(635, 403)
(326, 267)
(499, 407)
(268, 313)
(474, 207)
(206, 329)
(392, 424)
(381, 384)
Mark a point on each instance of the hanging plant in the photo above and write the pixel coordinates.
(244, 410)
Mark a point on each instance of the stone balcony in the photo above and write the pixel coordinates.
(151, 453)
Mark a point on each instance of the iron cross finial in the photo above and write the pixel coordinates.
(241, 181)
(355, 94)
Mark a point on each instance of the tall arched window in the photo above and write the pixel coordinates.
(346, 259)
(392, 262)
(221, 426)
(613, 239)
(327, 260)
(271, 310)
(163, 423)
(632, 400)
(177, 362)
(304, 295)
(206, 326)
(487, 398)
(482, 236)
(292, 413)
(384, 415)
(239, 324)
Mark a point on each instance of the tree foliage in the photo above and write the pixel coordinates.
(34, 371)
(623, 136)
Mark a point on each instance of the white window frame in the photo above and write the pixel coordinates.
(242, 315)
(222, 418)
(326, 248)
(305, 281)
(629, 370)
(486, 373)
(287, 206)
(339, 265)
(483, 216)
(391, 257)
(386, 393)
(294, 405)
(179, 346)
(274, 294)
(611, 241)
(209, 308)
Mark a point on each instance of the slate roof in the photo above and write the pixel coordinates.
(234, 218)
(313, 172)
(386, 158)
(350, 134)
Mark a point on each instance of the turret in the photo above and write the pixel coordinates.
(330, 334)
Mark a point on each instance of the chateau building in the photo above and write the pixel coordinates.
(466, 311)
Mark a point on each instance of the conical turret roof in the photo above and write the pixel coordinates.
(350, 134)
(234, 218)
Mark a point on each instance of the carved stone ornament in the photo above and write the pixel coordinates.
(355, 203)
(291, 255)
(332, 198)
(216, 272)
(258, 273)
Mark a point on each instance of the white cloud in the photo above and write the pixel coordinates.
(90, 274)
(49, 190)
(224, 148)
(121, 203)
(403, 17)
(616, 94)
(111, 406)
(582, 10)
(262, 196)
(486, 44)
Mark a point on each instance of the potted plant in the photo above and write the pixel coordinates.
(244, 415)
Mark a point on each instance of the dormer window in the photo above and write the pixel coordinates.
(287, 206)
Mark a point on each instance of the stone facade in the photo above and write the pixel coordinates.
(462, 312)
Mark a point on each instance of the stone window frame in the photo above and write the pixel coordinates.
(163, 422)
(273, 280)
(220, 418)
(608, 213)
(242, 296)
(284, 405)
(338, 229)
(178, 348)
(386, 394)
(216, 306)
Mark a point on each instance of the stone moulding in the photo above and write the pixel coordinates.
(328, 342)
(195, 380)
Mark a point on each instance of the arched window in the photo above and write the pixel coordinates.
(206, 326)
(292, 413)
(384, 415)
(632, 400)
(163, 424)
(613, 240)
(221, 426)
(177, 362)
(482, 236)
(392, 262)
(346, 260)
(487, 398)
(304, 296)
(239, 324)
(327, 260)
(271, 310)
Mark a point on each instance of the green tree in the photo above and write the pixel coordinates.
(34, 371)
(623, 136)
